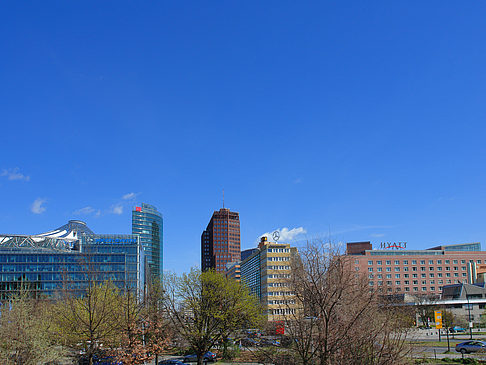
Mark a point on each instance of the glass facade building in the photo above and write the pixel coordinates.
(70, 258)
(147, 223)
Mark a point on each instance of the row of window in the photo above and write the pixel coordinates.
(415, 268)
(278, 258)
(279, 250)
(422, 262)
(281, 301)
(431, 275)
(275, 267)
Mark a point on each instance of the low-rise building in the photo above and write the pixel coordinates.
(416, 271)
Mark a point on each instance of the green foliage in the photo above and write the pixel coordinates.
(89, 321)
(207, 307)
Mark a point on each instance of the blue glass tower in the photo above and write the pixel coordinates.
(147, 222)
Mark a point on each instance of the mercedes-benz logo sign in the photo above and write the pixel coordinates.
(276, 235)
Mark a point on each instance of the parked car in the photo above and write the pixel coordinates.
(471, 346)
(171, 362)
(456, 329)
(208, 356)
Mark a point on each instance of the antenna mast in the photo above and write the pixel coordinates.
(223, 198)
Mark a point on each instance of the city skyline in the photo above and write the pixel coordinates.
(364, 121)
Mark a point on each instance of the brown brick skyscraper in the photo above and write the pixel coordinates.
(220, 242)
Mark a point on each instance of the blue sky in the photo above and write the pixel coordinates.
(363, 119)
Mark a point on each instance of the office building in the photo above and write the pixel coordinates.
(220, 241)
(233, 270)
(70, 256)
(398, 270)
(266, 272)
(147, 223)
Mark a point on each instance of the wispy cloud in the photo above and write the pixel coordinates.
(37, 206)
(14, 174)
(116, 209)
(298, 180)
(286, 234)
(88, 211)
(377, 235)
(129, 196)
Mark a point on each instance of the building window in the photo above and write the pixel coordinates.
(397, 262)
(447, 261)
(463, 268)
(397, 268)
(370, 262)
(405, 269)
(406, 275)
(414, 262)
(463, 261)
(415, 288)
(388, 262)
(370, 269)
(379, 269)
(439, 262)
(431, 268)
(454, 261)
(424, 288)
(406, 282)
(388, 276)
(431, 262)
(388, 269)
(405, 262)
(479, 261)
(397, 283)
(397, 276)
(439, 269)
(378, 262)
(432, 288)
(414, 268)
(422, 268)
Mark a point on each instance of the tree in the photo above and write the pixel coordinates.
(206, 306)
(425, 307)
(158, 329)
(340, 320)
(87, 321)
(129, 348)
(24, 331)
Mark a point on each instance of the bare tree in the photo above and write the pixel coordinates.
(340, 320)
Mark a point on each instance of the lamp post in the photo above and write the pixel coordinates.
(469, 311)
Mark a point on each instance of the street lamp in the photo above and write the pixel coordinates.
(469, 312)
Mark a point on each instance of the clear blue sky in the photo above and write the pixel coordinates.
(366, 119)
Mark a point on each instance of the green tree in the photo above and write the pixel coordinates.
(207, 306)
(87, 321)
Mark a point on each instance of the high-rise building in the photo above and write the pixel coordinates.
(220, 241)
(147, 222)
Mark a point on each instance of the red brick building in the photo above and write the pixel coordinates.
(415, 271)
(220, 241)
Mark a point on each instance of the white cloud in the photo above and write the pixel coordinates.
(37, 207)
(286, 234)
(14, 174)
(87, 211)
(377, 235)
(117, 209)
(129, 196)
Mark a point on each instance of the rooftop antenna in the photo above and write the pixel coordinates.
(223, 198)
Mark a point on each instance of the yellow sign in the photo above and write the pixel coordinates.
(438, 319)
